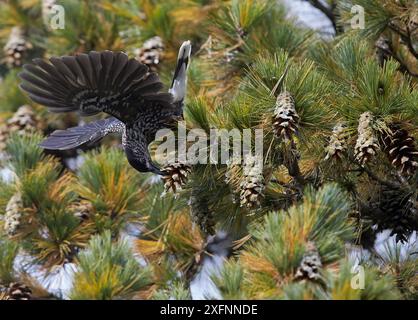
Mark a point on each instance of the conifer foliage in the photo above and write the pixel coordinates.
(338, 117)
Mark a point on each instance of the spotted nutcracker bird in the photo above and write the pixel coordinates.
(108, 82)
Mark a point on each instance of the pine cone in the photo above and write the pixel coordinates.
(252, 186)
(4, 134)
(285, 117)
(310, 266)
(366, 145)
(337, 142)
(24, 121)
(16, 47)
(176, 175)
(401, 149)
(201, 214)
(151, 52)
(13, 214)
(18, 291)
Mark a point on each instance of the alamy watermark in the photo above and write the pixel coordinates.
(218, 146)
(358, 279)
(54, 16)
(358, 21)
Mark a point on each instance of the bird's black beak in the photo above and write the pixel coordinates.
(154, 169)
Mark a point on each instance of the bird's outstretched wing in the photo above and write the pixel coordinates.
(77, 136)
(95, 82)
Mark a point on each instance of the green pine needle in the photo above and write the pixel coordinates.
(108, 270)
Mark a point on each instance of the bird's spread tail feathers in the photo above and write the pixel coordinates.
(179, 83)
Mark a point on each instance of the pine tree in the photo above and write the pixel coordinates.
(339, 164)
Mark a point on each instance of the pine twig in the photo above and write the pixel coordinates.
(403, 67)
(372, 175)
(293, 168)
(403, 183)
(406, 37)
(328, 11)
(200, 212)
(281, 183)
(375, 177)
(410, 44)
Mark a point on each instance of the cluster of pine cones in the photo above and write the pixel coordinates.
(396, 142)
(392, 210)
(399, 146)
(24, 121)
(16, 47)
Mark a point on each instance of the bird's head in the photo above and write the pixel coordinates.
(142, 162)
(179, 83)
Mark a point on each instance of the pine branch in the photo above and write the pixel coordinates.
(403, 67)
(406, 37)
(201, 214)
(328, 11)
(293, 168)
(403, 183)
(375, 177)
(281, 183)
(108, 270)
